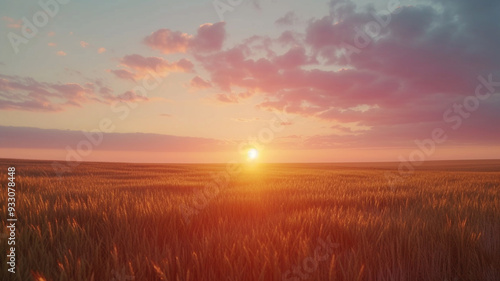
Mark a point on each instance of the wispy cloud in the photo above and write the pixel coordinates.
(209, 37)
(34, 138)
(28, 94)
(137, 66)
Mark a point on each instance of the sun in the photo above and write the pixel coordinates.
(253, 154)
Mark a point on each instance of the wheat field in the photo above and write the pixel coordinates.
(112, 221)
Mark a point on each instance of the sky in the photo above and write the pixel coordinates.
(204, 81)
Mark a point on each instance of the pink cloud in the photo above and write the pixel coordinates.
(137, 67)
(398, 86)
(84, 44)
(209, 37)
(101, 50)
(156, 64)
(295, 57)
(105, 90)
(124, 74)
(168, 41)
(225, 98)
(290, 38)
(411, 74)
(233, 98)
(61, 53)
(130, 96)
(27, 94)
(25, 137)
(198, 83)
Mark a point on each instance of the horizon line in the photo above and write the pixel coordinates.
(222, 163)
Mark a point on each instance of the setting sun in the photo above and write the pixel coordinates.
(253, 154)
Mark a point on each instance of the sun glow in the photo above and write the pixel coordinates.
(253, 154)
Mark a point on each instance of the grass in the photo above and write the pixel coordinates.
(106, 221)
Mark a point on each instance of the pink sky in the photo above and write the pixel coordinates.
(327, 81)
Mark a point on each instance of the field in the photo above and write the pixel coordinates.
(106, 221)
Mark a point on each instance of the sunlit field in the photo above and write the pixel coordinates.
(271, 222)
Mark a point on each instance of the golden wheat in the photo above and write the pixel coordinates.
(123, 222)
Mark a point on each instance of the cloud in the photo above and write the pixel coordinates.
(34, 138)
(293, 58)
(28, 94)
(289, 18)
(52, 44)
(130, 96)
(233, 98)
(61, 53)
(124, 74)
(168, 41)
(105, 90)
(225, 98)
(198, 83)
(84, 44)
(101, 50)
(137, 67)
(156, 64)
(209, 37)
(18, 93)
(73, 72)
(424, 61)
(398, 86)
(290, 38)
